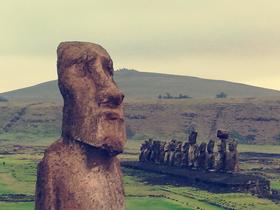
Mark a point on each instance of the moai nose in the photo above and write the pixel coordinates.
(115, 99)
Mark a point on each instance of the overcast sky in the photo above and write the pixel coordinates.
(217, 39)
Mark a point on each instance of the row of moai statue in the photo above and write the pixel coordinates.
(191, 155)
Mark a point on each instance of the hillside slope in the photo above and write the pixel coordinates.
(143, 85)
(252, 121)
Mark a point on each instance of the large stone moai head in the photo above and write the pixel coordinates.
(92, 112)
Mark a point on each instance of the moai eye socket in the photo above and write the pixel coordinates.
(108, 66)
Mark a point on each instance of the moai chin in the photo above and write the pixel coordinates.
(81, 170)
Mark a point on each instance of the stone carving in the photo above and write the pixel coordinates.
(148, 151)
(155, 151)
(221, 154)
(210, 155)
(166, 153)
(185, 154)
(232, 163)
(162, 152)
(178, 154)
(81, 170)
(172, 148)
(202, 158)
(143, 149)
(193, 150)
(221, 157)
(190, 155)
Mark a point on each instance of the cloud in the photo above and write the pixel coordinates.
(155, 32)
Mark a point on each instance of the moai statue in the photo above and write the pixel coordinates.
(232, 162)
(193, 150)
(166, 153)
(162, 152)
(202, 157)
(223, 136)
(143, 148)
(210, 155)
(157, 160)
(221, 157)
(178, 154)
(155, 152)
(221, 154)
(81, 170)
(148, 151)
(172, 148)
(185, 154)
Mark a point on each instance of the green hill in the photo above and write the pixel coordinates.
(143, 85)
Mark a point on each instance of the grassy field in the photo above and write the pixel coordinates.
(18, 175)
(17, 206)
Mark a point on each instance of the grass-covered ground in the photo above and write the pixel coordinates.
(18, 175)
(17, 206)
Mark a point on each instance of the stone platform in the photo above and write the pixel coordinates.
(212, 181)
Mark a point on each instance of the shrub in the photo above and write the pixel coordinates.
(221, 95)
(2, 99)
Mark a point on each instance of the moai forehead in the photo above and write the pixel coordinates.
(92, 112)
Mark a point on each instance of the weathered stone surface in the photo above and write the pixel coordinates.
(92, 111)
(221, 156)
(178, 154)
(185, 152)
(232, 162)
(202, 158)
(210, 156)
(193, 150)
(80, 170)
